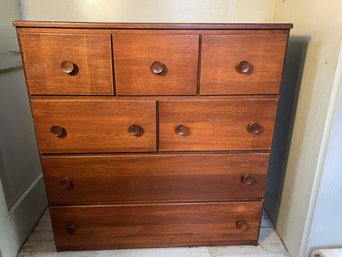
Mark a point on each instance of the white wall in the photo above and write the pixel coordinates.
(326, 228)
(320, 22)
(150, 10)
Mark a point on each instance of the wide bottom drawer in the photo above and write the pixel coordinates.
(155, 225)
(72, 180)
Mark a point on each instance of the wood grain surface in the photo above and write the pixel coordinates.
(153, 135)
(152, 26)
(166, 177)
(216, 124)
(41, 242)
(94, 125)
(43, 55)
(159, 225)
(222, 53)
(134, 55)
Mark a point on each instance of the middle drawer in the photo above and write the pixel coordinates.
(109, 124)
(90, 125)
(165, 177)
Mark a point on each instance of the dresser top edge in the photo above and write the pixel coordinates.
(174, 26)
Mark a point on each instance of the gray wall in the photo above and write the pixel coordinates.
(22, 192)
(19, 160)
(292, 75)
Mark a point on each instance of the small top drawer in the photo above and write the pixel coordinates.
(67, 64)
(242, 64)
(155, 64)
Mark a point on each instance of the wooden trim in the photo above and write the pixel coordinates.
(118, 31)
(155, 98)
(170, 153)
(213, 244)
(109, 25)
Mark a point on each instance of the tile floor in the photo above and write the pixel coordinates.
(40, 244)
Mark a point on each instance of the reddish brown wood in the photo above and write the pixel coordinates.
(94, 125)
(136, 130)
(118, 31)
(165, 198)
(244, 67)
(245, 64)
(68, 67)
(216, 125)
(70, 229)
(156, 98)
(182, 130)
(155, 64)
(255, 128)
(159, 225)
(242, 225)
(65, 183)
(249, 180)
(170, 177)
(149, 26)
(62, 64)
(158, 68)
(58, 131)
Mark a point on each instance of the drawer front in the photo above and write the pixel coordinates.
(242, 64)
(68, 64)
(201, 177)
(156, 64)
(87, 125)
(220, 124)
(160, 225)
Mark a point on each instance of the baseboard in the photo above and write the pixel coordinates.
(22, 217)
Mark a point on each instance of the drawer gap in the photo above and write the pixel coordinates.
(113, 70)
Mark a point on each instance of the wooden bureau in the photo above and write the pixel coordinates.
(153, 135)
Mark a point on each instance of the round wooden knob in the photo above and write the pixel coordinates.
(158, 68)
(255, 128)
(58, 131)
(244, 67)
(70, 229)
(242, 225)
(135, 130)
(182, 130)
(68, 67)
(65, 183)
(248, 180)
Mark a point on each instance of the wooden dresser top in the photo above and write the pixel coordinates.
(192, 26)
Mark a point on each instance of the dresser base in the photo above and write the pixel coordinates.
(155, 225)
(166, 245)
